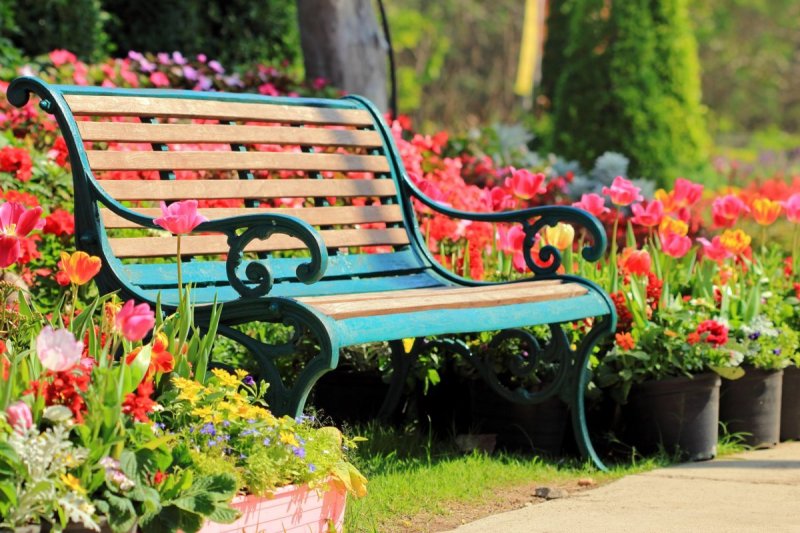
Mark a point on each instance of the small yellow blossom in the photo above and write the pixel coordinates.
(226, 379)
(241, 374)
(73, 483)
(735, 241)
(289, 438)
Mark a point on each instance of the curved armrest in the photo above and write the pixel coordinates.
(262, 226)
(546, 215)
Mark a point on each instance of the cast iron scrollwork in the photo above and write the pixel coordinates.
(513, 379)
(263, 226)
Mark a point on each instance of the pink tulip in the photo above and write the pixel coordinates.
(181, 217)
(686, 192)
(726, 210)
(714, 250)
(19, 416)
(57, 349)
(593, 204)
(510, 240)
(500, 199)
(134, 321)
(792, 208)
(525, 184)
(622, 192)
(648, 216)
(16, 222)
(675, 245)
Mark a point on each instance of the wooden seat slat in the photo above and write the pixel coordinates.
(217, 244)
(473, 297)
(101, 160)
(316, 216)
(225, 134)
(339, 298)
(134, 106)
(246, 189)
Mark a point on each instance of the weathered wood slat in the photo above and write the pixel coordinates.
(246, 189)
(453, 299)
(393, 295)
(100, 160)
(316, 216)
(217, 244)
(225, 134)
(128, 106)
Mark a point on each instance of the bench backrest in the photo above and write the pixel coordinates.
(328, 162)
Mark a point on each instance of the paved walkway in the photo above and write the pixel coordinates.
(751, 492)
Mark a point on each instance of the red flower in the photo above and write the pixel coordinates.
(635, 262)
(16, 161)
(713, 332)
(693, 338)
(58, 152)
(625, 341)
(64, 388)
(59, 222)
(796, 290)
(624, 316)
(139, 404)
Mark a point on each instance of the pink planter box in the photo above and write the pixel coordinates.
(291, 509)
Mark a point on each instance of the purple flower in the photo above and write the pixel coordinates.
(754, 336)
(178, 58)
(248, 432)
(226, 423)
(249, 381)
(299, 452)
(215, 66)
(266, 441)
(189, 73)
(208, 429)
(163, 58)
(776, 351)
(212, 442)
(136, 56)
(311, 467)
(204, 83)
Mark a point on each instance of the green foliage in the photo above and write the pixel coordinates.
(630, 83)
(233, 32)
(40, 26)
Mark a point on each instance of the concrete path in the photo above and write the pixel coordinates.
(752, 492)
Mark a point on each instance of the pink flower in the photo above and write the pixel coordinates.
(714, 250)
(648, 216)
(792, 208)
(592, 203)
(726, 210)
(19, 416)
(622, 192)
(134, 321)
(16, 222)
(510, 241)
(59, 57)
(500, 199)
(57, 349)
(525, 184)
(159, 79)
(180, 217)
(675, 245)
(686, 193)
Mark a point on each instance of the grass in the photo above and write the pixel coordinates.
(411, 475)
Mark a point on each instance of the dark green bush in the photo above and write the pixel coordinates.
(39, 26)
(630, 84)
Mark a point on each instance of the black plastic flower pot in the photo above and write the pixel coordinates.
(679, 414)
(751, 406)
(790, 404)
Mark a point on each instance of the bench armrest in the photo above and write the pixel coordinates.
(546, 215)
(241, 230)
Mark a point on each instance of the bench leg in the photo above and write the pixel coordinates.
(402, 362)
(580, 378)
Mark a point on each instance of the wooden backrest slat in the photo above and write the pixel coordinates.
(142, 247)
(225, 134)
(132, 106)
(316, 216)
(101, 160)
(246, 189)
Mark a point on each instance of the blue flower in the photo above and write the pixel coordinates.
(266, 441)
(776, 351)
(249, 381)
(208, 429)
(212, 442)
(226, 423)
(311, 467)
(299, 452)
(248, 432)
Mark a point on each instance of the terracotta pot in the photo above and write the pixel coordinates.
(292, 509)
(752, 405)
(790, 404)
(680, 413)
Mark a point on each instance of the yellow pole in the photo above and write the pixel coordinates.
(529, 49)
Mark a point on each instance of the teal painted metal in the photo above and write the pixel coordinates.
(264, 289)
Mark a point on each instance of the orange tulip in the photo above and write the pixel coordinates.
(735, 241)
(80, 267)
(765, 211)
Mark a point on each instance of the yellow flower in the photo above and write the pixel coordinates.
(673, 225)
(226, 379)
(241, 374)
(207, 414)
(560, 236)
(189, 390)
(289, 438)
(766, 211)
(735, 241)
(72, 483)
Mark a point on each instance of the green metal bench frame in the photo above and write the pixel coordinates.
(266, 290)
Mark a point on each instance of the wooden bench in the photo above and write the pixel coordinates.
(339, 191)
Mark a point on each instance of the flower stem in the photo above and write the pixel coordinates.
(74, 302)
(794, 249)
(180, 277)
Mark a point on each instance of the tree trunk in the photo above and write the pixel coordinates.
(343, 43)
